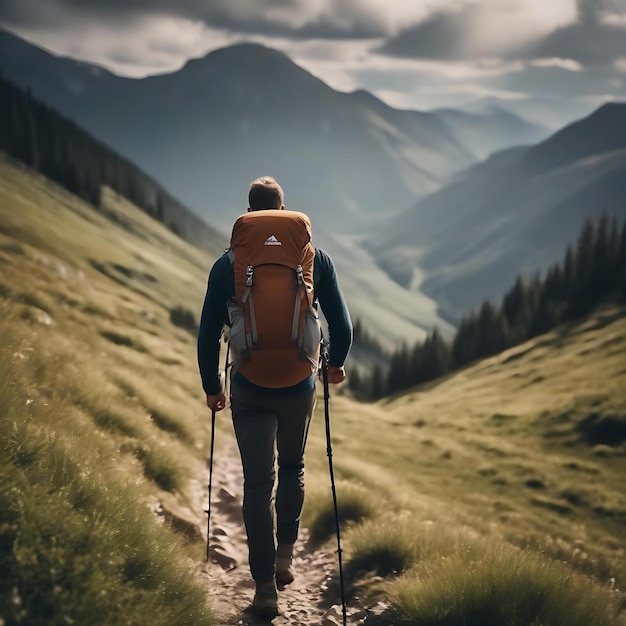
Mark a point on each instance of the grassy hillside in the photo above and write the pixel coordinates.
(103, 423)
(525, 449)
(492, 497)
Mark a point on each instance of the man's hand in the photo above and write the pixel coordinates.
(336, 375)
(216, 403)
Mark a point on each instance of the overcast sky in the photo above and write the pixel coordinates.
(421, 54)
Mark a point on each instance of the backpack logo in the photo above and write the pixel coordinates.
(272, 241)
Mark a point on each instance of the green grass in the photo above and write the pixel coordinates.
(497, 455)
(437, 575)
(82, 463)
(354, 506)
(392, 544)
(468, 499)
(497, 585)
(77, 544)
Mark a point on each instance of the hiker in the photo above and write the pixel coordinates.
(272, 390)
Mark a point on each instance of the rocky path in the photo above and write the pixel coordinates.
(303, 603)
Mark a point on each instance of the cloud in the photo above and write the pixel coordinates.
(414, 54)
(565, 64)
(555, 81)
(300, 19)
(591, 44)
(135, 47)
(615, 19)
(489, 28)
(591, 33)
(596, 39)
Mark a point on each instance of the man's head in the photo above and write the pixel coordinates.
(265, 193)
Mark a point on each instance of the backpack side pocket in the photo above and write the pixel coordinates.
(311, 337)
(238, 347)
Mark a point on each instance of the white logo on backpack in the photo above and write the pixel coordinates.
(272, 241)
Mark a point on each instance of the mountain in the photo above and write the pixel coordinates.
(63, 80)
(208, 129)
(349, 160)
(548, 112)
(490, 130)
(514, 213)
(60, 150)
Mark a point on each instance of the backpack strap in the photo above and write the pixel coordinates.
(296, 309)
(252, 337)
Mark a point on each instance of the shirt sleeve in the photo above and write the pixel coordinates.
(214, 314)
(335, 310)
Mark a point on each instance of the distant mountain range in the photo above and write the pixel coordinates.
(419, 225)
(490, 130)
(514, 213)
(208, 129)
(548, 112)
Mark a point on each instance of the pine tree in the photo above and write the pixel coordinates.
(613, 252)
(567, 284)
(544, 318)
(401, 375)
(59, 149)
(435, 356)
(600, 275)
(517, 308)
(581, 300)
(492, 331)
(378, 383)
(416, 363)
(465, 343)
(622, 264)
(355, 383)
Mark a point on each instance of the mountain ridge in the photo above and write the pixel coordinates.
(514, 213)
(348, 159)
(405, 153)
(603, 130)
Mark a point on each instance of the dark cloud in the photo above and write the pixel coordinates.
(442, 36)
(592, 40)
(30, 12)
(346, 20)
(590, 43)
(593, 11)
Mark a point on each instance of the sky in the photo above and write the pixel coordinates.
(552, 58)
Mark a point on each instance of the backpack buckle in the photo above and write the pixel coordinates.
(299, 275)
(249, 273)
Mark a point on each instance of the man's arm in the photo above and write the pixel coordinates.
(211, 324)
(335, 311)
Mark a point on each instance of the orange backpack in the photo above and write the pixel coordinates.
(275, 331)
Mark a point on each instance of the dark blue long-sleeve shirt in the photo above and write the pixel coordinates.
(221, 287)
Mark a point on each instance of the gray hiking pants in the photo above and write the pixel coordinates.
(266, 424)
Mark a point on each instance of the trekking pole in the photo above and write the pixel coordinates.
(208, 522)
(329, 452)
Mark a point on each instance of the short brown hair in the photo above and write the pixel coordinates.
(265, 193)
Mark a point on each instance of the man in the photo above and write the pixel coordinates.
(270, 419)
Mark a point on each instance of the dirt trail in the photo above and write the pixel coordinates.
(303, 603)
